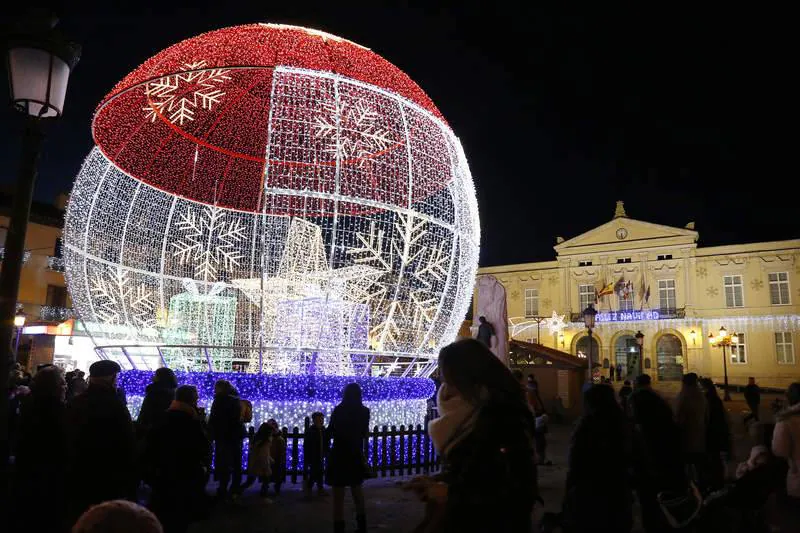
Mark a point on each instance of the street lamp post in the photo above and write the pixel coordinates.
(588, 319)
(19, 323)
(640, 343)
(39, 61)
(723, 340)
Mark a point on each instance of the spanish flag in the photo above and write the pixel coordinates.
(606, 290)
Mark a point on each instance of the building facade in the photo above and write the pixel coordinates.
(42, 296)
(654, 279)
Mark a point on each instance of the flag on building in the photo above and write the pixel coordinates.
(619, 286)
(606, 289)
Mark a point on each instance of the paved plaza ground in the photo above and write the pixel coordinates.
(389, 508)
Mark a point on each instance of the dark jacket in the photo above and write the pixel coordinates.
(598, 486)
(225, 421)
(752, 394)
(316, 445)
(491, 475)
(718, 435)
(658, 461)
(157, 398)
(624, 397)
(348, 428)
(100, 447)
(691, 415)
(40, 464)
(177, 454)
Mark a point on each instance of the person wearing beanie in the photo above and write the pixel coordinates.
(100, 443)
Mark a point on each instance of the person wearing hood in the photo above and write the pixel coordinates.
(157, 398)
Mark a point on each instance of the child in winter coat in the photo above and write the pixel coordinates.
(259, 460)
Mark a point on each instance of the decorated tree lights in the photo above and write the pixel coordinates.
(269, 202)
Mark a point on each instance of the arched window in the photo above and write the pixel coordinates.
(669, 356)
(582, 348)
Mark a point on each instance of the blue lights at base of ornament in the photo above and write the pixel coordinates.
(290, 399)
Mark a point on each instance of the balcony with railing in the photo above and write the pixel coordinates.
(56, 264)
(52, 313)
(25, 256)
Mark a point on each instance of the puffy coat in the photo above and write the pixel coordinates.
(786, 444)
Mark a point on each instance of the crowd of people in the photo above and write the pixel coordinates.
(627, 446)
(76, 447)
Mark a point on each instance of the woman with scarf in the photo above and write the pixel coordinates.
(485, 435)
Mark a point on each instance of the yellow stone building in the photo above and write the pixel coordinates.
(655, 279)
(42, 296)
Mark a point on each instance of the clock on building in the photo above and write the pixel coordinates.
(622, 233)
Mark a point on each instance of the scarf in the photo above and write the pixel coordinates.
(456, 421)
(183, 407)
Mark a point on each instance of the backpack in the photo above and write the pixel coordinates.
(246, 411)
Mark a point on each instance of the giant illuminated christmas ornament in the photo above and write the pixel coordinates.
(276, 201)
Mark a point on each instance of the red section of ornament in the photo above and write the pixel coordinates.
(193, 119)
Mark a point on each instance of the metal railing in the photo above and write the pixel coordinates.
(53, 313)
(56, 264)
(208, 357)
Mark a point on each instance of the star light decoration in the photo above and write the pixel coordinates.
(556, 323)
(253, 185)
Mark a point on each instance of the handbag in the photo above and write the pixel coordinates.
(433, 520)
(680, 509)
(367, 469)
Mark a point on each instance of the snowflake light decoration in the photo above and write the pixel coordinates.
(268, 198)
(177, 97)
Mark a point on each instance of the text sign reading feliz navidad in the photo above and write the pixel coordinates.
(626, 316)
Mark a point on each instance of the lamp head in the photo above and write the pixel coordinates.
(588, 316)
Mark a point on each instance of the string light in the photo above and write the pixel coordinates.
(271, 165)
(290, 399)
(287, 200)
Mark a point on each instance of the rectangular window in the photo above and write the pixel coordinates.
(779, 288)
(586, 296)
(666, 295)
(623, 260)
(664, 257)
(734, 291)
(784, 348)
(584, 263)
(531, 302)
(738, 350)
(626, 305)
(56, 296)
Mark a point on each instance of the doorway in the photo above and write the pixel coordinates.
(626, 353)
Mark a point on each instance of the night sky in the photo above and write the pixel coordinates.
(561, 111)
